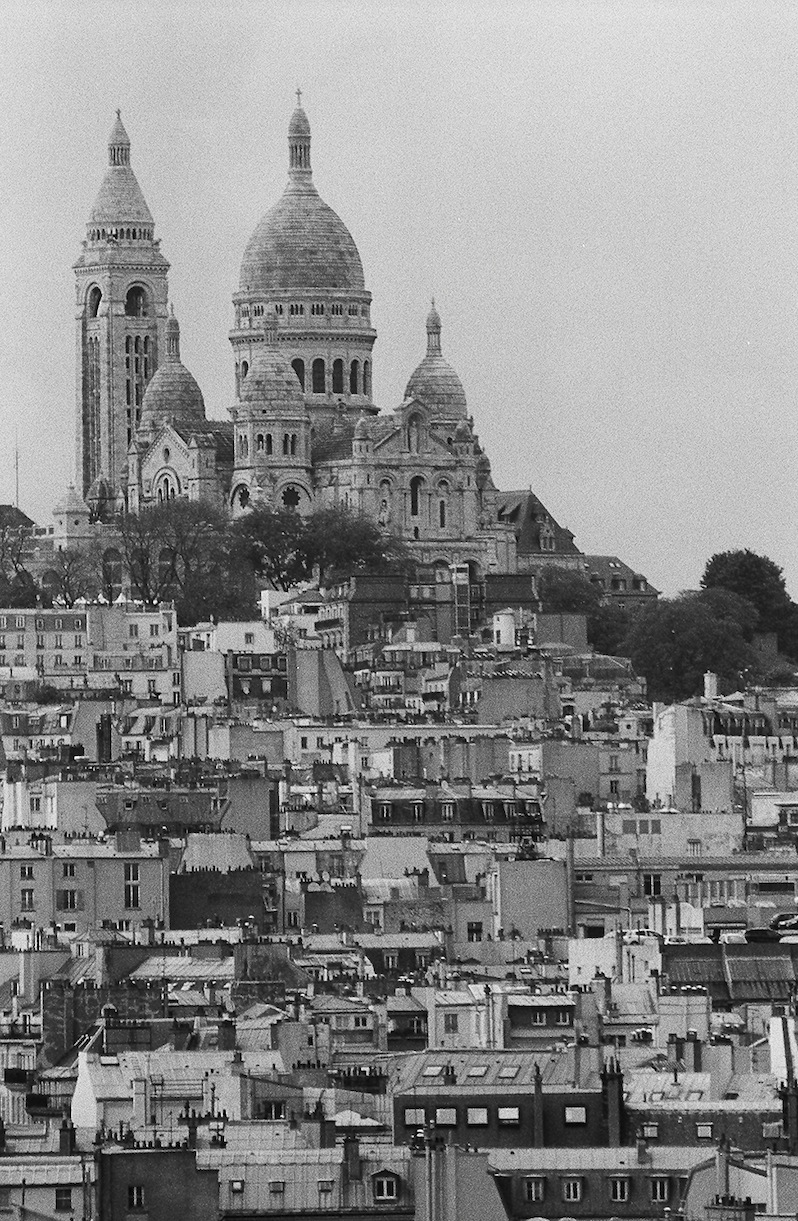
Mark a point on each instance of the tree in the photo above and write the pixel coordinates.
(340, 542)
(565, 592)
(17, 585)
(72, 574)
(271, 544)
(753, 577)
(761, 581)
(674, 641)
(607, 628)
(181, 552)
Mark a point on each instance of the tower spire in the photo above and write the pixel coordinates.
(299, 142)
(118, 143)
(433, 331)
(172, 330)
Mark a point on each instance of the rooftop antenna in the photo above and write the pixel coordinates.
(16, 468)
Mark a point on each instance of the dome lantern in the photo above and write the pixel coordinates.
(118, 143)
(299, 142)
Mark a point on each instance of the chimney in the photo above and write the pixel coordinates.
(352, 1162)
(692, 1052)
(537, 1110)
(66, 1137)
(612, 1089)
(140, 1103)
(710, 686)
(226, 1035)
(722, 1167)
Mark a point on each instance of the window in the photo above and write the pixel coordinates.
(450, 1023)
(650, 1131)
(447, 811)
(508, 1072)
(509, 1117)
(619, 1190)
(63, 1199)
(574, 1115)
(360, 1023)
(249, 637)
(572, 1190)
(477, 1117)
(446, 1117)
(694, 847)
(354, 375)
(652, 885)
(68, 900)
(27, 903)
(133, 631)
(299, 368)
(132, 887)
(414, 1117)
(386, 1187)
(338, 376)
(26, 873)
(325, 1187)
(563, 1017)
(155, 629)
(272, 1110)
(318, 376)
(660, 1189)
(474, 930)
(538, 1017)
(703, 1131)
(135, 1196)
(276, 1187)
(237, 1186)
(535, 1190)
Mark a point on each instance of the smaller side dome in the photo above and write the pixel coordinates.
(271, 385)
(463, 431)
(172, 394)
(435, 383)
(362, 429)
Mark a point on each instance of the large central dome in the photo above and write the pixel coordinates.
(300, 242)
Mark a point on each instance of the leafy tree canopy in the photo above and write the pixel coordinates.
(565, 592)
(753, 577)
(674, 641)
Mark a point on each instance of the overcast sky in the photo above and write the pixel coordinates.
(601, 196)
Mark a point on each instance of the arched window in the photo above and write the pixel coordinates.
(416, 484)
(443, 504)
(286, 443)
(268, 443)
(338, 377)
(244, 369)
(260, 443)
(298, 366)
(293, 444)
(414, 433)
(95, 297)
(442, 514)
(318, 376)
(243, 445)
(367, 377)
(291, 498)
(136, 305)
(354, 376)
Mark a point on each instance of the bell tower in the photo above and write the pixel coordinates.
(121, 312)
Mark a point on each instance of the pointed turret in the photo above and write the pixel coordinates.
(119, 201)
(118, 143)
(299, 142)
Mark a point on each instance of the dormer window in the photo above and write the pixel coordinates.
(386, 1187)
